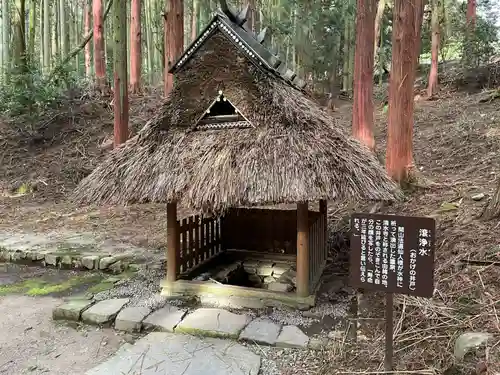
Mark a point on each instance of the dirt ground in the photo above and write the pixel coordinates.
(456, 151)
(31, 343)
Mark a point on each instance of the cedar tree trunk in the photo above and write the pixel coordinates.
(120, 72)
(194, 20)
(362, 112)
(174, 39)
(401, 103)
(86, 30)
(433, 73)
(99, 59)
(135, 46)
(419, 6)
(251, 14)
(378, 25)
(471, 14)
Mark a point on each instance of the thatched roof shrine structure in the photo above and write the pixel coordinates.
(238, 130)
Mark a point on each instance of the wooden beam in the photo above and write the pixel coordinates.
(172, 241)
(221, 118)
(302, 250)
(323, 209)
(226, 292)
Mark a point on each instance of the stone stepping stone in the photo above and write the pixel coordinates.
(214, 323)
(71, 310)
(162, 353)
(104, 312)
(164, 319)
(130, 318)
(261, 331)
(90, 262)
(292, 337)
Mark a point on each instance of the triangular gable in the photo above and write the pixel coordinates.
(233, 26)
(222, 114)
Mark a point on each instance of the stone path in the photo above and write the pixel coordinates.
(75, 250)
(208, 322)
(169, 354)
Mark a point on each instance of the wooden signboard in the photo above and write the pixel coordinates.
(392, 254)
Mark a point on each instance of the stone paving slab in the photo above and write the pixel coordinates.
(164, 319)
(162, 353)
(292, 337)
(130, 318)
(214, 323)
(71, 310)
(261, 331)
(103, 312)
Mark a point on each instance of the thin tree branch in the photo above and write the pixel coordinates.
(81, 46)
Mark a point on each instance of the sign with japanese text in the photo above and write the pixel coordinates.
(393, 253)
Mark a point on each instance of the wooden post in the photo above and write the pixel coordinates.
(323, 209)
(172, 243)
(302, 250)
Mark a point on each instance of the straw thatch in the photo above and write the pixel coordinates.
(294, 153)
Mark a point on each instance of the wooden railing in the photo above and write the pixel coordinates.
(199, 240)
(262, 230)
(318, 251)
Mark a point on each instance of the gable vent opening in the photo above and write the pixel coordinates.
(222, 114)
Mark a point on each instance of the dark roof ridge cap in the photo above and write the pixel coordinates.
(245, 41)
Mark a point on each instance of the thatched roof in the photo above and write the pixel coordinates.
(292, 152)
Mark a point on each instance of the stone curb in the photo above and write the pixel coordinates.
(284, 336)
(66, 260)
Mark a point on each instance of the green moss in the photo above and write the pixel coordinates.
(101, 287)
(41, 287)
(24, 189)
(11, 289)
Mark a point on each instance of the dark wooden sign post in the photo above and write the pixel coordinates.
(392, 254)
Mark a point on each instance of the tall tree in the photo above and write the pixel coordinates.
(55, 30)
(173, 39)
(19, 23)
(401, 102)
(150, 42)
(5, 37)
(194, 19)
(471, 14)
(362, 113)
(63, 28)
(135, 46)
(419, 6)
(378, 25)
(32, 24)
(347, 47)
(251, 14)
(46, 36)
(121, 105)
(87, 15)
(433, 73)
(99, 57)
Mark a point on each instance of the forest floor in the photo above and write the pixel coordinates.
(457, 153)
